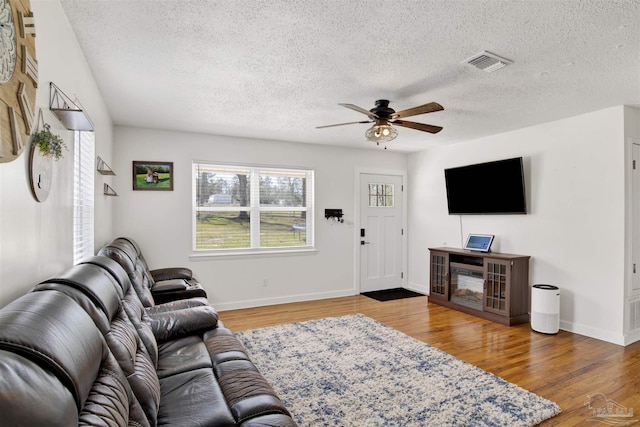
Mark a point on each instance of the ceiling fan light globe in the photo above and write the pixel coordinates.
(381, 133)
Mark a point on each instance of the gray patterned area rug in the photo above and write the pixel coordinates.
(354, 371)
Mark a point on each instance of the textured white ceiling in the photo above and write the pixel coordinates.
(276, 69)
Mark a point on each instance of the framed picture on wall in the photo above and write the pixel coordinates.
(154, 176)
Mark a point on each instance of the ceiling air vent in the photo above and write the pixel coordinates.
(487, 61)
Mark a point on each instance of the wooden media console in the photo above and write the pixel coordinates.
(490, 285)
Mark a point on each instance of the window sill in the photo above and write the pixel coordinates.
(203, 256)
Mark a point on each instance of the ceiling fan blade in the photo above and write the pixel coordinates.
(422, 109)
(360, 110)
(418, 126)
(342, 124)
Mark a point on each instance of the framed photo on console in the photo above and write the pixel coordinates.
(479, 242)
(152, 175)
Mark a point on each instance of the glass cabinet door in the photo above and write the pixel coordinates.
(440, 275)
(496, 286)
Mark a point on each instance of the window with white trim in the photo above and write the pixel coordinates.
(251, 208)
(83, 195)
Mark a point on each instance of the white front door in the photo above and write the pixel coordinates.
(380, 232)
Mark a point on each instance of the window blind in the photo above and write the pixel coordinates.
(83, 195)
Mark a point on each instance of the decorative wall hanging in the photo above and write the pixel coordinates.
(41, 161)
(47, 142)
(18, 77)
(40, 173)
(152, 175)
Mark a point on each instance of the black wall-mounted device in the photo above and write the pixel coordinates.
(334, 214)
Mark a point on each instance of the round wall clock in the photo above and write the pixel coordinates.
(8, 49)
(40, 173)
(18, 77)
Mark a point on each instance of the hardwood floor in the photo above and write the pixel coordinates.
(564, 368)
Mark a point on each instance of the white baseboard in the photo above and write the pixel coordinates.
(417, 288)
(632, 337)
(281, 300)
(588, 331)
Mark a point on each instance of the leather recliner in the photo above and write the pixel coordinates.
(153, 286)
(84, 347)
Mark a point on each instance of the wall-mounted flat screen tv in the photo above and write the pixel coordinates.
(490, 188)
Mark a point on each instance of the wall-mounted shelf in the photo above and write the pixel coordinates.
(108, 191)
(67, 111)
(103, 168)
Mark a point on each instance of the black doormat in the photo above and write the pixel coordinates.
(391, 294)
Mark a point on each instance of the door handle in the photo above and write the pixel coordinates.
(362, 243)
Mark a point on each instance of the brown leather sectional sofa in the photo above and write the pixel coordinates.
(83, 349)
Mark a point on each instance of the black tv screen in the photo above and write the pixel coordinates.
(487, 188)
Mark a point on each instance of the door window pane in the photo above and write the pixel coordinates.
(381, 195)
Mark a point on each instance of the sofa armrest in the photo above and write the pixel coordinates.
(177, 305)
(170, 285)
(171, 273)
(166, 294)
(175, 324)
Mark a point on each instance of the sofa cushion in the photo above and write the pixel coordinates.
(126, 258)
(111, 402)
(271, 420)
(180, 323)
(182, 355)
(92, 287)
(145, 385)
(23, 382)
(193, 398)
(223, 346)
(52, 343)
(138, 317)
(247, 392)
(123, 342)
(114, 269)
(94, 281)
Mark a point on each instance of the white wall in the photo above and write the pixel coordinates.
(161, 221)
(36, 238)
(575, 229)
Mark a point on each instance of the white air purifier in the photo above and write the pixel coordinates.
(545, 309)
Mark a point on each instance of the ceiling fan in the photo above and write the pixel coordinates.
(384, 117)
